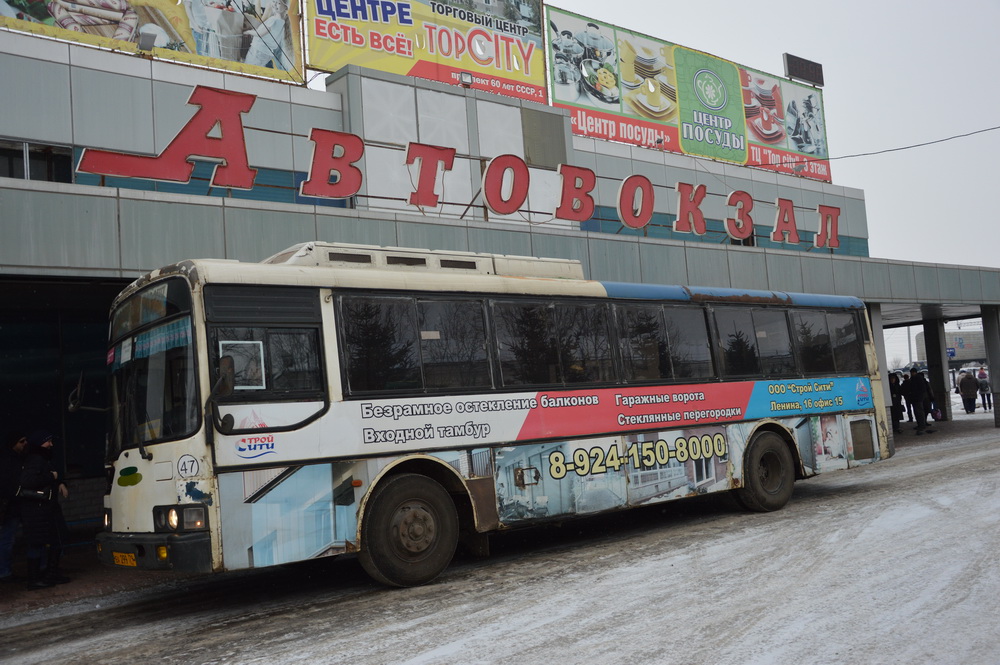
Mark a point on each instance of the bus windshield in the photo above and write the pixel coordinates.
(154, 394)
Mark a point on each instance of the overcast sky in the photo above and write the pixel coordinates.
(897, 74)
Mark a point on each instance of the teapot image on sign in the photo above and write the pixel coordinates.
(710, 89)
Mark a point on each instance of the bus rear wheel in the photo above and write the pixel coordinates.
(768, 474)
(409, 531)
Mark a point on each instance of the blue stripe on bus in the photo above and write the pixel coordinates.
(646, 291)
(701, 293)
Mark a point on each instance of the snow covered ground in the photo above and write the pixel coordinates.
(890, 563)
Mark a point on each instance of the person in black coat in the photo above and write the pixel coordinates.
(11, 461)
(41, 516)
(920, 394)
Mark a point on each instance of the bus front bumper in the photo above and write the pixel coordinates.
(182, 552)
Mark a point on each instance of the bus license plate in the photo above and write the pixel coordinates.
(124, 558)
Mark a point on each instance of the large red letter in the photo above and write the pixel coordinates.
(829, 232)
(633, 216)
(576, 203)
(326, 162)
(690, 218)
(220, 108)
(741, 227)
(429, 156)
(784, 223)
(493, 184)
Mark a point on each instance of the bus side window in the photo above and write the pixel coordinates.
(812, 336)
(584, 345)
(271, 360)
(848, 353)
(527, 343)
(738, 341)
(453, 348)
(643, 342)
(380, 343)
(687, 337)
(774, 342)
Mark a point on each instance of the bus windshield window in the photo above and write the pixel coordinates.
(153, 389)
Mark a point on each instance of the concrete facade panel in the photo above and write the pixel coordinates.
(848, 278)
(442, 120)
(784, 272)
(360, 230)
(707, 267)
(58, 229)
(663, 264)
(157, 232)
(614, 260)
(747, 270)
(817, 274)
(40, 112)
(255, 234)
(111, 111)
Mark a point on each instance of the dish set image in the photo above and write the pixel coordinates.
(763, 107)
(646, 78)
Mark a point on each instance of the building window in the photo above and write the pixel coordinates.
(35, 161)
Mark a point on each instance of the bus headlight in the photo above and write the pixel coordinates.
(180, 518)
(107, 519)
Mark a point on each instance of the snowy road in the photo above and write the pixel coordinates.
(892, 563)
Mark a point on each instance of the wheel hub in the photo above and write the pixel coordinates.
(416, 528)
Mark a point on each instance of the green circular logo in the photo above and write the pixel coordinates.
(710, 89)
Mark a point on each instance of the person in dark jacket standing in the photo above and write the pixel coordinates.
(897, 402)
(920, 396)
(11, 461)
(968, 386)
(41, 516)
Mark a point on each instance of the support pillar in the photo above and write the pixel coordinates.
(937, 365)
(878, 337)
(991, 339)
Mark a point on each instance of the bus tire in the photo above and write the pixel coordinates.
(768, 474)
(409, 531)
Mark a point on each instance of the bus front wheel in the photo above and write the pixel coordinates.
(409, 531)
(768, 474)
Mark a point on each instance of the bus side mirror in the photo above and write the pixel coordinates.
(223, 388)
(227, 377)
(76, 399)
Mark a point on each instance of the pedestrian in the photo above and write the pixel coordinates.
(11, 461)
(985, 392)
(897, 402)
(921, 397)
(41, 516)
(904, 390)
(968, 386)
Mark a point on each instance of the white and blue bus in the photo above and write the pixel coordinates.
(395, 402)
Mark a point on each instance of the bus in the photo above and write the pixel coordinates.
(395, 403)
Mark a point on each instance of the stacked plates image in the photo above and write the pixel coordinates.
(648, 63)
(649, 101)
(666, 88)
